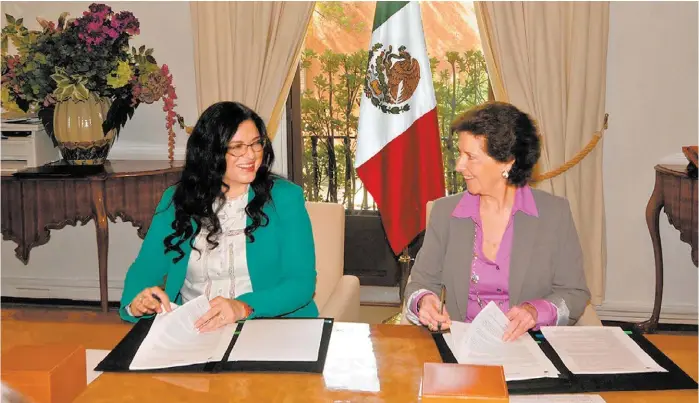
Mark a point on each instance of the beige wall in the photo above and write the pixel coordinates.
(652, 102)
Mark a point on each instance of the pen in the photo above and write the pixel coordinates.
(442, 294)
(209, 320)
(157, 298)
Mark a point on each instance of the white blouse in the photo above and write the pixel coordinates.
(222, 271)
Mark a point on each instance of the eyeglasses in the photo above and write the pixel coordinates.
(240, 149)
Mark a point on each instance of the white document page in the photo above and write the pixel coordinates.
(599, 350)
(92, 359)
(173, 341)
(278, 340)
(481, 343)
(557, 399)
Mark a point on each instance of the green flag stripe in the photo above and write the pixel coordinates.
(384, 11)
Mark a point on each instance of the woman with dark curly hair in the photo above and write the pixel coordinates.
(499, 241)
(229, 229)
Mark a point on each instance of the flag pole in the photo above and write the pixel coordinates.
(404, 259)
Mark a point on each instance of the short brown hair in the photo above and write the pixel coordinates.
(509, 134)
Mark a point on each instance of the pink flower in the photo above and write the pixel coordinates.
(169, 104)
(95, 26)
(100, 24)
(112, 33)
(49, 100)
(13, 61)
(135, 92)
(126, 22)
(100, 10)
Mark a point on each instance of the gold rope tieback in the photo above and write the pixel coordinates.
(578, 157)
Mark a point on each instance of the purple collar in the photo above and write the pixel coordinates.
(469, 205)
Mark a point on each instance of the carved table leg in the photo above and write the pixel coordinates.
(655, 203)
(101, 225)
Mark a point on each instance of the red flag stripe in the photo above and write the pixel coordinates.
(405, 175)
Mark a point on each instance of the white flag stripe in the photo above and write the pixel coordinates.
(376, 129)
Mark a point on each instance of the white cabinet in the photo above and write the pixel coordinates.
(30, 149)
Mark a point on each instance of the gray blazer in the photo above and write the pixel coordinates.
(546, 260)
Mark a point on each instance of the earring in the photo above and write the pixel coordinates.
(505, 174)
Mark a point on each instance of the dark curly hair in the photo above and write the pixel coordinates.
(202, 178)
(509, 134)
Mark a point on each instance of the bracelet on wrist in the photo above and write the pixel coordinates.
(248, 310)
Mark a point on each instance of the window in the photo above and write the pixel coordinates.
(329, 88)
(332, 72)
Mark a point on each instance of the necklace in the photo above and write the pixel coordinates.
(474, 275)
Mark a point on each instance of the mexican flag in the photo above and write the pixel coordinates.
(399, 157)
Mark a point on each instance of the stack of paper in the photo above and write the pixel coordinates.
(481, 343)
(173, 341)
(599, 350)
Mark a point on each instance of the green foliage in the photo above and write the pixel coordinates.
(333, 13)
(329, 122)
(144, 57)
(69, 87)
(458, 88)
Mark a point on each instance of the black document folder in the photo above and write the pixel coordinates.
(120, 358)
(568, 382)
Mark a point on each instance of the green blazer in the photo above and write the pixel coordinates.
(281, 261)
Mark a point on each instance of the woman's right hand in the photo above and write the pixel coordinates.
(146, 303)
(428, 313)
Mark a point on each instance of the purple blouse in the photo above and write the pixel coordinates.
(489, 279)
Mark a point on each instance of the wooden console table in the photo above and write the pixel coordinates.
(676, 192)
(131, 190)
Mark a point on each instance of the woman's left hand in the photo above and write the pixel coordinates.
(522, 318)
(223, 312)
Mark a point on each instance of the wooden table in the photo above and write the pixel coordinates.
(126, 189)
(676, 192)
(365, 363)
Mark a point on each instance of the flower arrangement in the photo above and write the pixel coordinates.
(81, 58)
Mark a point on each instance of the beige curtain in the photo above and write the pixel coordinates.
(550, 60)
(248, 52)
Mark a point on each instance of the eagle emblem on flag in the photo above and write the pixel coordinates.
(391, 78)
